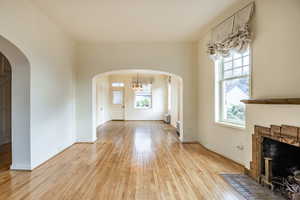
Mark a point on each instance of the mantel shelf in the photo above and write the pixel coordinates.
(294, 101)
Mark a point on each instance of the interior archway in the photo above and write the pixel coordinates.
(5, 113)
(20, 105)
(133, 71)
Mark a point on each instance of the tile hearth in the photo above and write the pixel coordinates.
(248, 188)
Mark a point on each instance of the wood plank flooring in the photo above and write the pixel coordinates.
(130, 160)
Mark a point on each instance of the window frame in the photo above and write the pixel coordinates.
(151, 100)
(219, 87)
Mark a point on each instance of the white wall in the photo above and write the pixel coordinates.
(50, 54)
(275, 73)
(159, 97)
(175, 100)
(102, 100)
(176, 58)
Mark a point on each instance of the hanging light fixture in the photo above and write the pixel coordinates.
(136, 84)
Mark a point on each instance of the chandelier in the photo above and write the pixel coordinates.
(136, 84)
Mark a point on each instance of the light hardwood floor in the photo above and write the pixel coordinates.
(130, 160)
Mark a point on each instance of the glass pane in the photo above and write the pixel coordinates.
(229, 58)
(143, 101)
(117, 97)
(227, 65)
(117, 84)
(238, 62)
(234, 91)
(237, 55)
(246, 60)
(228, 74)
(237, 72)
(245, 70)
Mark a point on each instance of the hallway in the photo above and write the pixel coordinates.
(130, 160)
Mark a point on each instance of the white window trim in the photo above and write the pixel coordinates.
(218, 95)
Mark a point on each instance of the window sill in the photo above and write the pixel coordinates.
(142, 108)
(230, 125)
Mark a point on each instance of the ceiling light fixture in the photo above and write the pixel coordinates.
(136, 84)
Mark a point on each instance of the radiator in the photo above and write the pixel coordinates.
(167, 118)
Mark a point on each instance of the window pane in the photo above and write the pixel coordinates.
(143, 101)
(245, 70)
(236, 55)
(246, 60)
(238, 62)
(117, 84)
(237, 72)
(233, 91)
(235, 66)
(228, 74)
(229, 58)
(117, 97)
(227, 65)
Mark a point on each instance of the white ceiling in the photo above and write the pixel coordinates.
(133, 20)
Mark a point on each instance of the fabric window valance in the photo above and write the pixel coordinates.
(233, 34)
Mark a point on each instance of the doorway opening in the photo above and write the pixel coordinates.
(143, 95)
(5, 113)
(14, 107)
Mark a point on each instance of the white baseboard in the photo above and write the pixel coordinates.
(85, 141)
(21, 167)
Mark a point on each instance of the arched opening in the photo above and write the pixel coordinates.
(5, 113)
(17, 114)
(129, 105)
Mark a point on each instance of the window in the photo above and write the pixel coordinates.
(117, 84)
(117, 97)
(143, 98)
(233, 78)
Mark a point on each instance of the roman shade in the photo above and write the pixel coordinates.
(233, 34)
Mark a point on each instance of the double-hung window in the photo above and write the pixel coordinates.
(143, 97)
(232, 85)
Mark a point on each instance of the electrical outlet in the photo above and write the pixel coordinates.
(240, 147)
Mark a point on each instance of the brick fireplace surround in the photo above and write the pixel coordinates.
(285, 134)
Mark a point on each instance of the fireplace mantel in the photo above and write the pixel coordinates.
(285, 134)
(294, 101)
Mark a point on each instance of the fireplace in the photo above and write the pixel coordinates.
(276, 159)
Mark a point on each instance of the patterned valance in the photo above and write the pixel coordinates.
(232, 34)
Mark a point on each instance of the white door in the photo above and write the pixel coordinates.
(117, 108)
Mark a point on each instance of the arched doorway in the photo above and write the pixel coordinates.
(5, 113)
(19, 109)
(175, 81)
